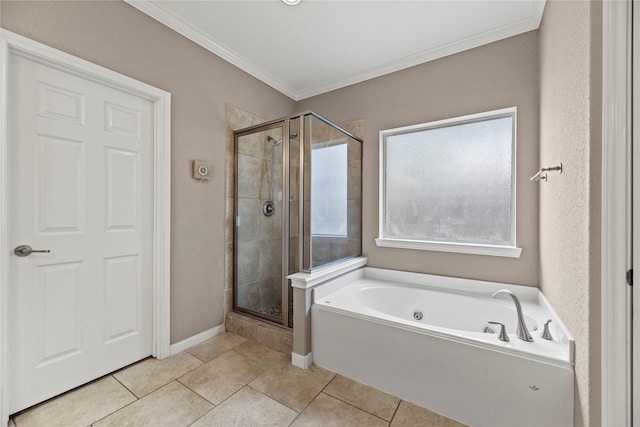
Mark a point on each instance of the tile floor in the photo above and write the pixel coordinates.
(226, 381)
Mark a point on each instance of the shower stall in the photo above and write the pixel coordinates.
(298, 208)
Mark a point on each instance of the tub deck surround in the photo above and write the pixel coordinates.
(303, 284)
(364, 328)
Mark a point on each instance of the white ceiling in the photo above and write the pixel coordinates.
(322, 45)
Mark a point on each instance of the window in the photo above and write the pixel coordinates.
(450, 185)
(329, 190)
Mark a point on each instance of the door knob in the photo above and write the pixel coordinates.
(26, 250)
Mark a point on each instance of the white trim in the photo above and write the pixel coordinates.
(301, 361)
(459, 248)
(616, 180)
(167, 18)
(11, 42)
(315, 278)
(197, 339)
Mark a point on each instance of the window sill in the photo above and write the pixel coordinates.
(460, 248)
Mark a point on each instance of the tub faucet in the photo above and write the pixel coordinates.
(522, 332)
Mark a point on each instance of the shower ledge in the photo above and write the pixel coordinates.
(315, 278)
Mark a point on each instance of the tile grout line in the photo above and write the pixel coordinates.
(357, 407)
(121, 408)
(395, 412)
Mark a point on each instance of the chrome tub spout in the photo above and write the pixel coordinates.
(522, 332)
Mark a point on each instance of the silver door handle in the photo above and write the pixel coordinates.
(26, 250)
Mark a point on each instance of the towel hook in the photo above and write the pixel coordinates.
(542, 176)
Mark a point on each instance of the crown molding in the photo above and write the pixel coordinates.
(165, 17)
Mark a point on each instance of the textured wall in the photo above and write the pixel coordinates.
(498, 75)
(119, 37)
(570, 132)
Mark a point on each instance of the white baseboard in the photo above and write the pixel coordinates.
(196, 339)
(301, 361)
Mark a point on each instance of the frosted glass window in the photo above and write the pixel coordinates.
(450, 181)
(329, 190)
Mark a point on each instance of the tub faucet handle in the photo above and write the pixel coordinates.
(545, 333)
(503, 333)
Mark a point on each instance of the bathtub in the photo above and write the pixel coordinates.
(427, 339)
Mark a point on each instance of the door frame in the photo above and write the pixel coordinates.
(10, 44)
(617, 125)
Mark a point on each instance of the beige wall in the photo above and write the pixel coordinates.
(490, 77)
(119, 37)
(570, 132)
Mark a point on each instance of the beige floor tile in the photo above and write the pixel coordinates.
(292, 386)
(410, 415)
(223, 376)
(151, 374)
(248, 408)
(173, 405)
(327, 411)
(215, 346)
(261, 353)
(11, 423)
(80, 407)
(364, 397)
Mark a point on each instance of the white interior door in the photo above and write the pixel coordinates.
(81, 186)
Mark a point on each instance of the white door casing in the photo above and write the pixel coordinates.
(65, 226)
(616, 214)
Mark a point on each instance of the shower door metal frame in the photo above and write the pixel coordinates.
(284, 304)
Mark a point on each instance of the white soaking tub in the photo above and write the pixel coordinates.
(424, 338)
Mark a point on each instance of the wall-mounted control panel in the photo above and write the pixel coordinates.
(201, 170)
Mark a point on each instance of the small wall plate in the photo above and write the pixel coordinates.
(201, 170)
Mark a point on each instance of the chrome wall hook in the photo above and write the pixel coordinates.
(542, 176)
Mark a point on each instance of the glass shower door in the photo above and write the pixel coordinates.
(259, 218)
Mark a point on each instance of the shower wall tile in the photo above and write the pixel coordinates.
(228, 219)
(250, 213)
(271, 226)
(264, 333)
(250, 182)
(228, 265)
(294, 152)
(354, 190)
(270, 292)
(294, 219)
(355, 127)
(237, 118)
(251, 145)
(270, 259)
(249, 296)
(354, 215)
(228, 302)
(293, 255)
(265, 191)
(248, 269)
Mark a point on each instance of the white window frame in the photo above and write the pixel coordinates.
(454, 247)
